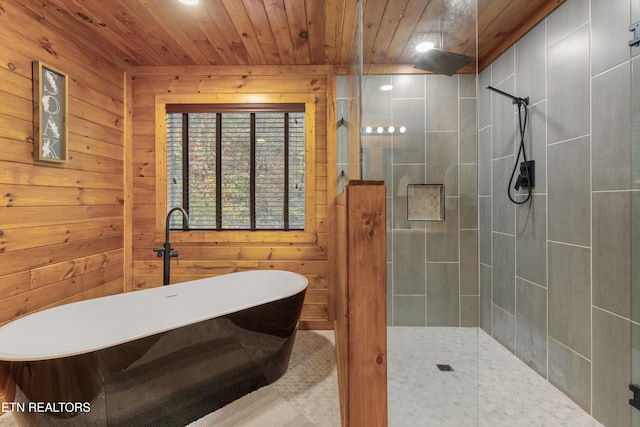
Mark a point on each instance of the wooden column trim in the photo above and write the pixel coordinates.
(361, 323)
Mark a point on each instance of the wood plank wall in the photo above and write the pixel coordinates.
(209, 256)
(361, 303)
(61, 226)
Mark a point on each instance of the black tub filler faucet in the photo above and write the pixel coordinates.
(167, 251)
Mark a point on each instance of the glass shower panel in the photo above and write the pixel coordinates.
(635, 212)
(420, 128)
(348, 111)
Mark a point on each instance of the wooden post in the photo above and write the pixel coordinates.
(361, 324)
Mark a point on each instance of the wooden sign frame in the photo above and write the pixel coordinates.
(50, 104)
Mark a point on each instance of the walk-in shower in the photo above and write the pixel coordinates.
(496, 274)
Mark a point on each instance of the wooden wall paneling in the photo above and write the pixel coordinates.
(107, 288)
(42, 216)
(15, 130)
(25, 195)
(50, 274)
(15, 83)
(232, 252)
(53, 294)
(17, 107)
(94, 163)
(30, 174)
(16, 283)
(62, 226)
(21, 238)
(27, 260)
(128, 182)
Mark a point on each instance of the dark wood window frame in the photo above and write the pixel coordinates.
(251, 109)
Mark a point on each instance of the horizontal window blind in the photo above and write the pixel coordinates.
(244, 170)
(236, 171)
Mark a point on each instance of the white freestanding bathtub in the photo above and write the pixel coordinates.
(161, 356)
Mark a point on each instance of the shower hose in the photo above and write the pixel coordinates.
(522, 124)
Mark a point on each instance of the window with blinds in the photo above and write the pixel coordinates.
(237, 167)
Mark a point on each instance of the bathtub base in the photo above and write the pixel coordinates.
(169, 379)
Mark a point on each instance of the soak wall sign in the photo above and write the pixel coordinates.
(50, 114)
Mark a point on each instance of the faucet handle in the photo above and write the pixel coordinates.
(158, 252)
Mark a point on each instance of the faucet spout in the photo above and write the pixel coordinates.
(185, 221)
(167, 251)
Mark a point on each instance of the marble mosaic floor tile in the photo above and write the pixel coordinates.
(487, 386)
(311, 381)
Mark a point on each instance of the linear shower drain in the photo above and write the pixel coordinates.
(444, 367)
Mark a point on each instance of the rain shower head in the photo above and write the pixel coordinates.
(440, 62)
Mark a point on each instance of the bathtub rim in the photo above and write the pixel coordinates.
(102, 331)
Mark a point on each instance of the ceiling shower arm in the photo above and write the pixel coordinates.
(514, 99)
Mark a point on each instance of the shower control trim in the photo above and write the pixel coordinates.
(635, 28)
(635, 402)
(527, 178)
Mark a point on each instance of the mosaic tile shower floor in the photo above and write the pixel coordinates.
(496, 390)
(420, 395)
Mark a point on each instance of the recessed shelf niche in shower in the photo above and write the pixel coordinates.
(425, 202)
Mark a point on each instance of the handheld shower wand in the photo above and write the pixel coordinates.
(526, 179)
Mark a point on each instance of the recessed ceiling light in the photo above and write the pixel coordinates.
(386, 87)
(191, 2)
(424, 46)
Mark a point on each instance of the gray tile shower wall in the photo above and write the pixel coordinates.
(565, 312)
(433, 279)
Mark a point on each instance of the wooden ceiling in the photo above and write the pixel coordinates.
(289, 32)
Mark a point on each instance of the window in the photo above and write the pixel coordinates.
(237, 167)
